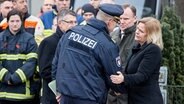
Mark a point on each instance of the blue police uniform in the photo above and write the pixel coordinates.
(84, 60)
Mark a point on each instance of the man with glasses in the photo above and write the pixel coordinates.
(66, 19)
(86, 57)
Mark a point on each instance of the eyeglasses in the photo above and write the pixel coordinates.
(70, 22)
(117, 21)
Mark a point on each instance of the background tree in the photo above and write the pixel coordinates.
(173, 54)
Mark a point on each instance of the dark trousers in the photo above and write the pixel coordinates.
(71, 100)
(48, 96)
(16, 102)
(117, 99)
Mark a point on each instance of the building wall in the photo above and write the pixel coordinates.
(34, 6)
(179, 8)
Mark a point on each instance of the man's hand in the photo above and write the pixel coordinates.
(58, 98)
(116, 93)
(117, 79)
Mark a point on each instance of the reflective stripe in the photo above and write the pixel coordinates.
(48, 32)
(32, 55)
(2, 72)
(27, 88)
(37, 68)
(12, 57)
(39, 38)
(15, 96)
(21, 75)
(17, 56)
(30, 24)
(27, 95)
(4, 26)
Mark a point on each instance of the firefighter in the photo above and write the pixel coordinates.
(17, 63)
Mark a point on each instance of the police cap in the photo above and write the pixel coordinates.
(111, 9)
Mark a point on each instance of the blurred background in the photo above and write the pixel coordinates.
(144, 7)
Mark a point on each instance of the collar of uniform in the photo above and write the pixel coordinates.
(100, 25)
(7, 31)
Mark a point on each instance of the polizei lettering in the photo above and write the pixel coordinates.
(82, 39)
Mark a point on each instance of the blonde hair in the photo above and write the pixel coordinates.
(153, 30)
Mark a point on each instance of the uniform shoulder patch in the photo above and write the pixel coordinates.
(118, 61)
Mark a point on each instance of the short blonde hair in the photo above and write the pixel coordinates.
(153, 30)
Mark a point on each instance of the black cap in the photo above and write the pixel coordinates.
(111, 9)
(88, 8)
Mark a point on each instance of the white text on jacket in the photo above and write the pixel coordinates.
(83, 40)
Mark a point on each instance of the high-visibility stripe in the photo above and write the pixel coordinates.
(2, 72)
(37, 68)
(21, 75)
(48, 32)
(12, 57)
(15, 96)
(17, 56)
(27, 94)
(30, 24)
(32, 55)
(28, 88)
(4, 26)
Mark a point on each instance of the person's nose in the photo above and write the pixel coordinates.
(64, 2)
(25, 4)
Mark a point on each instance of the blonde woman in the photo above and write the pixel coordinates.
(142, 70)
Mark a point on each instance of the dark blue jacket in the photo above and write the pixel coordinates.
(18, 64)
(84, 60)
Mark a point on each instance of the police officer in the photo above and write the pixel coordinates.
(85, 58)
